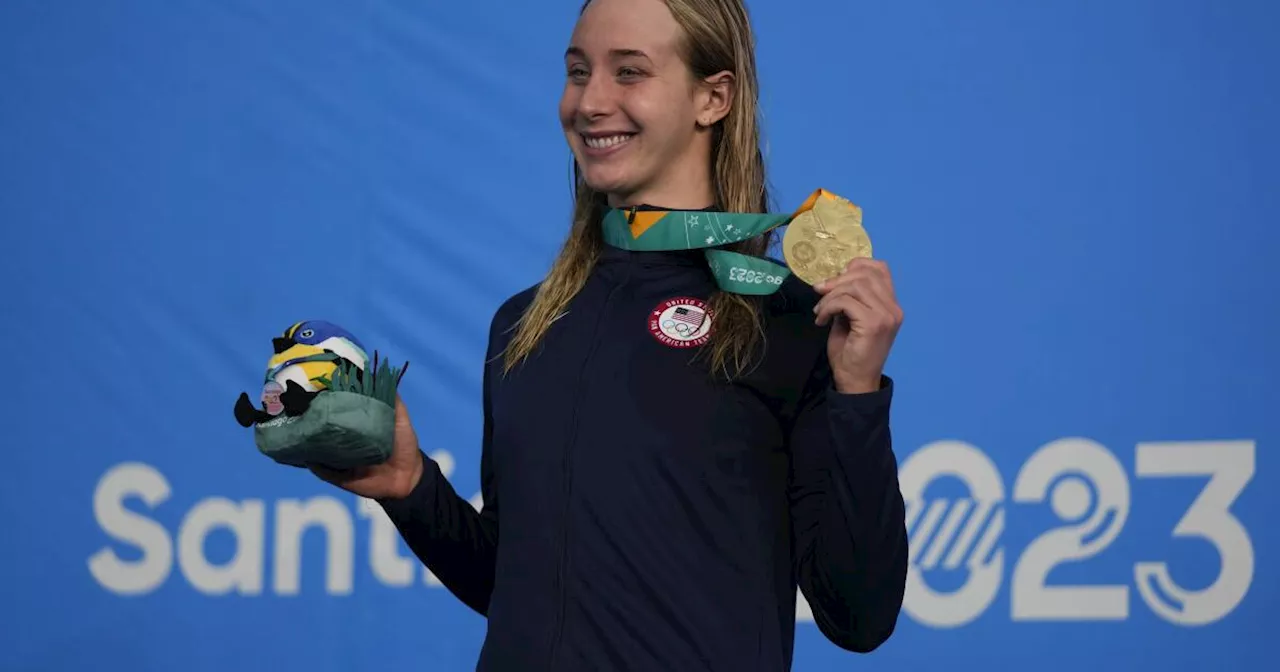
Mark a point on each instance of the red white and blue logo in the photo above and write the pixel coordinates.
(682, 322)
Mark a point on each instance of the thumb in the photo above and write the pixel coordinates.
(402, 417)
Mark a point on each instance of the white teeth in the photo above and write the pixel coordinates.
(605, 143)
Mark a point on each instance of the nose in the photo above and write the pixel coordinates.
(281, 344)
(597, 97)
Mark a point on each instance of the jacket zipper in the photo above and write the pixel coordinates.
(562, 566)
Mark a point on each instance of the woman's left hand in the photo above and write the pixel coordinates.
(864, 315)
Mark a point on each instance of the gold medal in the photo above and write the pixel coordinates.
(824, 237)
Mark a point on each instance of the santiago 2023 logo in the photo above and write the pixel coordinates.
(956, 540)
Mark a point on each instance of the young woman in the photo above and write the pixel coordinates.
(666, 459)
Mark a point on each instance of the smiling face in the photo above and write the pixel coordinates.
(634, 114)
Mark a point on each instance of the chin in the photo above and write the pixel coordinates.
(608, 179)
(613, 170)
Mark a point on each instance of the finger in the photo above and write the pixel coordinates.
(878, 294)
(875, 265)
(843, 304)
(866, 262)
(867, 288)
(884, 279)
(326, 474)
(335, 476)
(875, 268)
(854, 269)
(868, 281)
(877, 315)
(871, 283)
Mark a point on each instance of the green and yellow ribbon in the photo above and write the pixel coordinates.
(667, 230)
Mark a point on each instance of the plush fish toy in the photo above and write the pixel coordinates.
(322, 401)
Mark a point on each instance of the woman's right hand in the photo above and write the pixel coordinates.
(393, 479)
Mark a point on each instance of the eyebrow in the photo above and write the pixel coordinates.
(576, 51)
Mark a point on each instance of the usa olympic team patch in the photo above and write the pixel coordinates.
(682, 322)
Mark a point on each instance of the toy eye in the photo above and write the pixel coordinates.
(306, 333)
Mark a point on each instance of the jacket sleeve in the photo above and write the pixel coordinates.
(457, 543)
(847, 513)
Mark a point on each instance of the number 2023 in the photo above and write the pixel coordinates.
(738, 274)
(1060, 472)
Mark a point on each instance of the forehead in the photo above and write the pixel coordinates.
(609, 25)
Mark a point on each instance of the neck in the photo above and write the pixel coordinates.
(670, 199)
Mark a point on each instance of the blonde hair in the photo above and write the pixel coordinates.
(717, 37)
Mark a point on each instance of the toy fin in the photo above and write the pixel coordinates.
(247, 414)
(295, 399)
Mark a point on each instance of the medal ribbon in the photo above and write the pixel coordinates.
(668, 230)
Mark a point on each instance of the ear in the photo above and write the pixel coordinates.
(715, 98)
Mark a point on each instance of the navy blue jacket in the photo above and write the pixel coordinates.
(640, 515)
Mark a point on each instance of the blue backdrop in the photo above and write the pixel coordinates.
(1078, 200)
